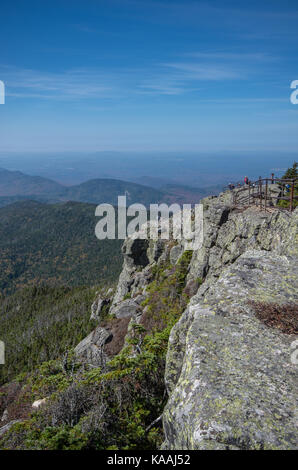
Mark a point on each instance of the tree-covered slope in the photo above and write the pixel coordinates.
(15, 185)
(99, 191)
(40, 323)
(109, 406)
(54, 244)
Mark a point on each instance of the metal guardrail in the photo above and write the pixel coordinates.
(258, 193)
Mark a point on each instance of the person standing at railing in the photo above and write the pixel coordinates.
(245, 180)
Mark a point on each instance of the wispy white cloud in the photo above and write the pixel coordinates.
(191, 11)
(72, 84)
(233, 56)
(194, 67)
(175, 78)
(198, 71)
(170, 78)
(160, 89)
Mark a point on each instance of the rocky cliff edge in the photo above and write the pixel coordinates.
(229, 376)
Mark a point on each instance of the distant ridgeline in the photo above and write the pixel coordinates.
(16, 186)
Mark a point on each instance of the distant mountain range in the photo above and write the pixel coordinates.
(16, 186)
(155, 169)
(47, 229)
(16, 183)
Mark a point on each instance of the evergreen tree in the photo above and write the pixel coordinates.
(291, 172)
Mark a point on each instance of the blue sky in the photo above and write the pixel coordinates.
(148, 75)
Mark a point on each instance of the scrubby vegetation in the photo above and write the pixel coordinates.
(40, 323)
(116, 406)
(283, 317)
(291, 173)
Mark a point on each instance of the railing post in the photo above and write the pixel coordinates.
(266, 193)
(292, 195)
(249, 193)
(260, 191)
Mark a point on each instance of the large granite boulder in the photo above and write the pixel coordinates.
(91, 349)
(175, 253)
(230, 378)
(229, 233)
(126, 308)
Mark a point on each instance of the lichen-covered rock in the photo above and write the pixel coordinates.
(230, 379)
(133, 274)
(4, 416)
(126, 308)
(7, 426)
(175, 253)
(97, 306)
(229, 233)
(139, 257)
(90, 349)
(38, 403)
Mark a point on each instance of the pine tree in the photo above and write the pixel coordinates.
(291, 172)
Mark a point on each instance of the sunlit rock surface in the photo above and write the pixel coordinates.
(230, 378)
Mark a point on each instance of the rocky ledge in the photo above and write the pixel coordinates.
(229, 377)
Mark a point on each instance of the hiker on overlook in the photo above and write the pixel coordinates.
(245, 180)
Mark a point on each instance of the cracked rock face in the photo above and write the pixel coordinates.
(97, 306)
(139, 255)
(126, 308)
(228, 234)
(230, 379)
(90, 349)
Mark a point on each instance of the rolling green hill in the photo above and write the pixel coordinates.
(15, 185)
(54, 243)
(40, 323)
(99, 191)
